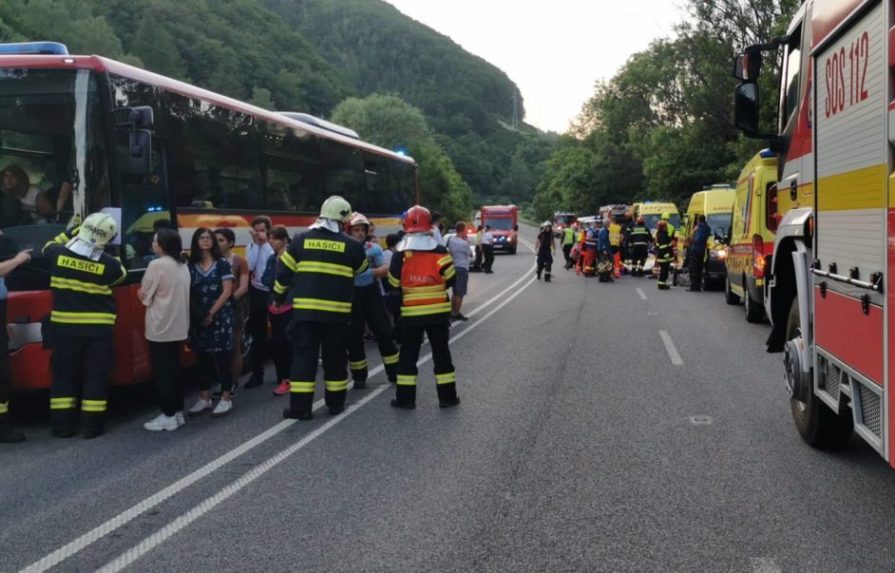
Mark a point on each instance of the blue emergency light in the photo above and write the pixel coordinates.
(43, 48)
(766, 154)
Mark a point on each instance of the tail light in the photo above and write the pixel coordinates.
(771, 212)
(758, 262)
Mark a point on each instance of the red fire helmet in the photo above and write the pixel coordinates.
(417, 220)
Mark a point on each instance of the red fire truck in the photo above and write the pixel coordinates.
(149, 148)
(503, 220)
(829, 297)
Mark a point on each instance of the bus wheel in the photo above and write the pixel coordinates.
(818, 425)
(729, 295)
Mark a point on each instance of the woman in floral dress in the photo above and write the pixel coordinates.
(211, 280)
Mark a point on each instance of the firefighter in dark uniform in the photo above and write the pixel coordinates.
(423, 271)
(317, 271)
(368, 309)
(663, 254)
(82, 321)
(544, 248)
(626, 242)
(638, 247)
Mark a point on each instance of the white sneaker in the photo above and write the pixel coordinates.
(162, 423)
(200, 407)
(222, 409)
(180, 419)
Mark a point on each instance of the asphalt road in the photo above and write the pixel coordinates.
(586, 440)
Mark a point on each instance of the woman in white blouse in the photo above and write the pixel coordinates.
(165, 291)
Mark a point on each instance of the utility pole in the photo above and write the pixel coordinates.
(515, 121)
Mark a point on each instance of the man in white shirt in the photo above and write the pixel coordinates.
(488, 249)
(257, 253)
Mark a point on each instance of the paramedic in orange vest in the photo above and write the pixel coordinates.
(423, 270)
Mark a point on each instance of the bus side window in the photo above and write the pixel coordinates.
(144, 209)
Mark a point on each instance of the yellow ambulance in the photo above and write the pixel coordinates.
(716, 203)
(756, 212)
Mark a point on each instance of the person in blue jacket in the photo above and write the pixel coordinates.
(697, 253)
(604, 253)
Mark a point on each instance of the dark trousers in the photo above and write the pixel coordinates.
(282, 347)
(445, 376)
(567, 253)
(545, 263)
(5, 374)
(639, 253)
(489, 257)
(257, 329)
(477, 264)
(368, 309)
(664, 268)
(309, 339)
(215, 366)
(81, 366)
(165, 360)
(697, 265)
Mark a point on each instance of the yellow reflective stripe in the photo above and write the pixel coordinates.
(82, 317)
(357, 365)
(62, 403)
(445, 260)
(406, 380)
(320, 304)
(426, 296)
(301, 387)
(363, 267)
(449, 272)
(79, 286)
(288, 261)
(425, 309)
(435, 288)
(4, 408)
(446, 378)
(60, 239)
(337, 385)
(392, 359)
(393, 281)
(278, 288)
(93, 405)
(324, 268)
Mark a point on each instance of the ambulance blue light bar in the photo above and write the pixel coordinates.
(766, 153)
(44, 48)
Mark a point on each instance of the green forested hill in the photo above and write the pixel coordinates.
(310, 55)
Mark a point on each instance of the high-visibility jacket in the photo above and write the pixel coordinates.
(640, 235)
(83, 304)
(615, 234)
(318, 272)
(663, 247)
(423, 278)
(568, 236)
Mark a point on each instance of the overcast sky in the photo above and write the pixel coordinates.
(555, 50)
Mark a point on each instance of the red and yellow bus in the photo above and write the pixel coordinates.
(91, 133)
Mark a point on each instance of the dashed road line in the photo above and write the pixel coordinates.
(641, 293)
(670, 348)
(764, 565)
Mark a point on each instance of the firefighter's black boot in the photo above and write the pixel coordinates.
(547, 277)
(62, 423)
(8, 433)
(300, 406)
(447, 395)
(405, 397)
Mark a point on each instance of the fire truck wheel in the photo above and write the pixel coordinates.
(729, 296)
(818, 425)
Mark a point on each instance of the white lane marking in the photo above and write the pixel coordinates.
(172, 528)
(764, 565)
(116, 522)
(669, 346)
(641, 293)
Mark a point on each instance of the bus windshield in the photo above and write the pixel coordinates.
(51, 151)
(564, 219)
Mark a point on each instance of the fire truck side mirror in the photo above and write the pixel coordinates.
(746, 108)
(747, 66)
